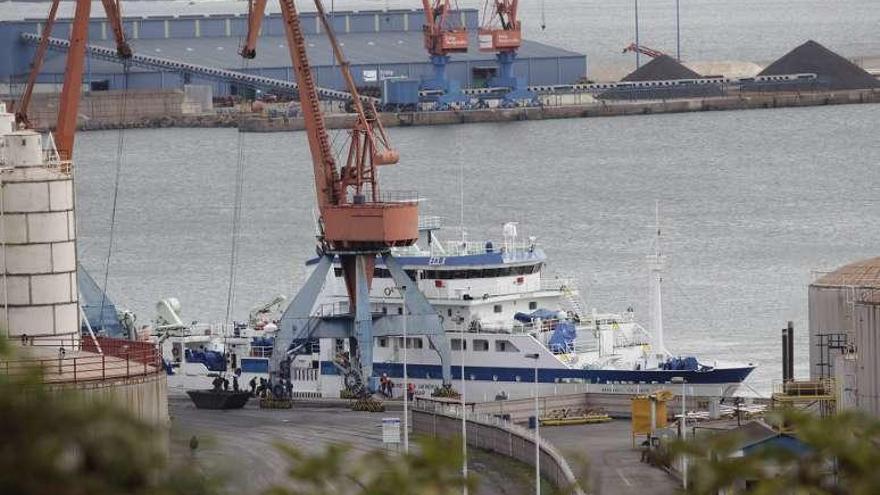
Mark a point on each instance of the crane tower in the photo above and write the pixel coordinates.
(358, 223)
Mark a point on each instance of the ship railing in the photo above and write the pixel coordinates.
(558, 284)
(389, 196)
(511, 251)
(303, 374)
(261, 351)
(430, 222)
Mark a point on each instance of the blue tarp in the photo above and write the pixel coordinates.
(104, 321)
(213, 360)
(563, 337)
(544, 314)
(689, 363)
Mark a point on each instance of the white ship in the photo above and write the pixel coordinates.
(506, 319)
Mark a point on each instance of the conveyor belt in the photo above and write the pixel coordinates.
(268, 84)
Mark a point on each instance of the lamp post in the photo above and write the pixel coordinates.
(677, 32)
(464, 466)
(638, 62)
(683, 431)
(535, 356)
(405, 378)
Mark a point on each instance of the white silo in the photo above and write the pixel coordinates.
(38, 235)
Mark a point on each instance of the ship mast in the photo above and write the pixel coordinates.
(656, 265)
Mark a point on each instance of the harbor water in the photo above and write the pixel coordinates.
(752, 204)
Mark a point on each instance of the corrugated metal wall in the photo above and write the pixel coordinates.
(867, 323)
(830, 311)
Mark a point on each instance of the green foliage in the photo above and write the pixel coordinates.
(842, 459)
(55, 442)
(431, 468)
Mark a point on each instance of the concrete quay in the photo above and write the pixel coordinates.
(600, 108)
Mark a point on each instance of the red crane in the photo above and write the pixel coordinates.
(501, 30)
(68, 105)
(644, 50)
(358, 223)
(440, 38)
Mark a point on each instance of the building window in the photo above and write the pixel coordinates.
(481, 345)
(498, 308)
(533, 304)
(505, 346)
(457, 344)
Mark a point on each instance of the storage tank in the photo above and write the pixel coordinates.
(865, 352)
(38, 235)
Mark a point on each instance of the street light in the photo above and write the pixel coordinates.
(405, 378)
(683, 425)
(464, 466)
(535, 356)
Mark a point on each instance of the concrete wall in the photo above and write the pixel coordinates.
(146, 398)
(107, 106)
(507, 440)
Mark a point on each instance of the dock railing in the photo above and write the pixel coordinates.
(81, 361)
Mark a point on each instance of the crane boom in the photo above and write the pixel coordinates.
(68, 105)
(323, 163)
(644, 50)
(256, 10)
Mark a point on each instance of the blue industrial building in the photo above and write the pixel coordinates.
(379, 45)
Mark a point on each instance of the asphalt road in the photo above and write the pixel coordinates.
(614, 466)
(240, 445)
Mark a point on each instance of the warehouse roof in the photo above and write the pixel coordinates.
(864, 273)
(360, 48)
(20, 11)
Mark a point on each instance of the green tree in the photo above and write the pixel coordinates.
(53, 442)
(431, 468)
(842, 458)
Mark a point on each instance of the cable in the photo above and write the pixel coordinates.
(236, 215)
(120, 156)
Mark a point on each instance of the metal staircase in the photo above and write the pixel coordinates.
(275, 86)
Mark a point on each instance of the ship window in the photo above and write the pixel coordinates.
(497, 308)
(481, 345)
(533, 304)
(383, 342)
(400, 310)
(384, 310)
(337, 272)
(505, 346)
(414, 343)
(457, 344)
(449, 312)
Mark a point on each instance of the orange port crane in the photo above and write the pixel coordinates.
(501, 32)
(68, 105)
(441, 39)
(644, 50)
(358, 222)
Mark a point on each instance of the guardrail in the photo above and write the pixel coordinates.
(443, 419)
(78, 362)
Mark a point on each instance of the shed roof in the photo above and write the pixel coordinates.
(360, 49)
(863, 273)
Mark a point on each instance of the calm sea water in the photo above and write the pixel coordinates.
(752, 203)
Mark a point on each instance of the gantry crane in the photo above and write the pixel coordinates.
(68, 105)
(442, 39)
(644, 50)
(359, 224)
(501, 32)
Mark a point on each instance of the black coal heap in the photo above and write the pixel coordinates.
(662, 68)
(835, 71)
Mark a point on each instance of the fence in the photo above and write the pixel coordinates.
(118, 359)
(440, 419)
